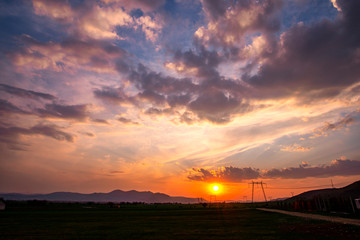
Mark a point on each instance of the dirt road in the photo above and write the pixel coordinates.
(315, 216)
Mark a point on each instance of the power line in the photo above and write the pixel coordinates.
(318, 186)
(262, 187)
(300, 187)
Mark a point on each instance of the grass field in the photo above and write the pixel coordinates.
(162, 222)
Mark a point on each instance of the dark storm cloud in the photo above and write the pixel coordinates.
(11, 135)
(315, 61)
(74, 112)
(25, 93)
(336, 168)
(228, 174)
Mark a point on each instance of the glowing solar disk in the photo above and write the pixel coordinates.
(216, 188)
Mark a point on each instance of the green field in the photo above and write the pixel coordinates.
(162, 222)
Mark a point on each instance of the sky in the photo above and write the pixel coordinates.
(173, 96)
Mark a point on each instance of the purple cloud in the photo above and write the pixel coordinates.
(72, 112)
(25, 93)
(336, 168)
(10, 135)
(9, 108)
(127, 121)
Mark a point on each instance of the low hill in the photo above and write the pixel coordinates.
(350, 191)
(114, 196)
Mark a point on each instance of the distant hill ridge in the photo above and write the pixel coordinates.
(350, 191)
(114, 196)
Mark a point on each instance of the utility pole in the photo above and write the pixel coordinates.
(252, 196)
(262, 187)
(263, 190)
(332, 183)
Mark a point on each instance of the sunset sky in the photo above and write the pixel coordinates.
(173, 95)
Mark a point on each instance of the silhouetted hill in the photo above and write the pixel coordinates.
(352, 190)
(114, 196)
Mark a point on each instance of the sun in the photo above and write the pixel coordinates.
(215, 188)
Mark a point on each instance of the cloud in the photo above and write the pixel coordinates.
(335, 5)
(72, 112)
(151, 96)
(144, 5)
(340, 167)
(68, 55)
(11, 135)
(99, 20)
(295, 148)
(159, 112)
(342, 123)
(9, 108)
(336, 168)
(101, 121)
(89, 134)
(227, 174)
(229, 23)
(202, 63)
(127, 121)
(78, 112)
(51, 131)
(114, 95)
(214, 9)
(215, 99)
(217, 107)
(25, 93)
(60, 10)
(150, 27)
(314, 61)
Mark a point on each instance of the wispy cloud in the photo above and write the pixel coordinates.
(11, 135)
(26, 93)
(295, 148)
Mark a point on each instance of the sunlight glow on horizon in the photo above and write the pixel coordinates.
(215, 188)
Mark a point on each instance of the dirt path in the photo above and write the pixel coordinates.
(315, 216)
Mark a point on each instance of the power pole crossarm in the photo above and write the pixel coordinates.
(252, 192)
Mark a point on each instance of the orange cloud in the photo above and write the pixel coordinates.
(295, 148)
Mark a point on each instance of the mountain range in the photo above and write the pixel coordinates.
(114, 196)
